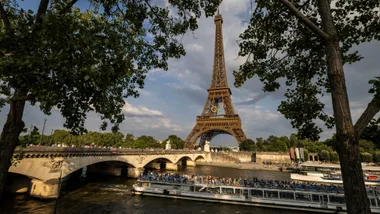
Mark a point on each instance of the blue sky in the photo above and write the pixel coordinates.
(172, 99)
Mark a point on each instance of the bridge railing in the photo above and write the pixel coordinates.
(105, 151)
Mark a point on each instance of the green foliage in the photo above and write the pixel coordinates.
(366, 146)
(248, 145)
(372, 132)
(324, 155)
(275, 144)
(98, 139)
(366, 157)
(146, 142)
(376, 156)
(334, 157)
(90, 60)
(279, 47)
(305, 155)
(175, 142)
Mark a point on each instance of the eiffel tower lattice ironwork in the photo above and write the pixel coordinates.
(218, 115)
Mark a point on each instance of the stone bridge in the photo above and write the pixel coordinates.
(46, 165)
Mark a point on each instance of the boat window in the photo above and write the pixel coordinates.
(270, 194)
(237, 191)
(287, 195)
(213, 190)
(336, 199)
(256, 193)
(315, 198)
(324, 198)
(245, 192)
(301, 196)
(200, 189)
(228, 191)
(373, 202)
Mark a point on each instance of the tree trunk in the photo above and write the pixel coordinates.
(347, 138)
(353, 180)
(10, 134)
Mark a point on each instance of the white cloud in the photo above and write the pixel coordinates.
(194, 47)
(254, 113)
(131, 111)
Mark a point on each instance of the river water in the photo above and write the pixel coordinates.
(106, 194)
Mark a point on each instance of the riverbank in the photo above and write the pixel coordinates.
(247, 166)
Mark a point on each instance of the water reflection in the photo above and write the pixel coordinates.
(104, 194)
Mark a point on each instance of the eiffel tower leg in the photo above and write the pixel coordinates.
(190, 142)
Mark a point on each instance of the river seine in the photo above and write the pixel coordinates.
(106, 194)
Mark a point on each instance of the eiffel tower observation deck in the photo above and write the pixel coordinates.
(218, 115)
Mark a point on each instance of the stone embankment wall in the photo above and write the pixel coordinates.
(219, 157)
(243, 157)
(272, 157)
(246, 157)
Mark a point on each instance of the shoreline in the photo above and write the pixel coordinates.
(245, 166)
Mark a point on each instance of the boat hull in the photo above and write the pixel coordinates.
(242, 200)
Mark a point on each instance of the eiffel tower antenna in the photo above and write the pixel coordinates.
(210, 123)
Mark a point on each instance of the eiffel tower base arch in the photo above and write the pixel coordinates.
(208, 129)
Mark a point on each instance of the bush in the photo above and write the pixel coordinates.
(334, 157)
(324, 155)
(376, 156)
(305, 155)
(366, 157)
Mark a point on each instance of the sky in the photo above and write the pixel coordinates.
(172, 99)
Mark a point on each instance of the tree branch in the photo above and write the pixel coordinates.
(41, 10)
(69, 6)
(23, 98)
(372, 109)
(5, 54)
(5, 19)
(305, 20)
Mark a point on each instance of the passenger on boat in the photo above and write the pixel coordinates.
(258, 183)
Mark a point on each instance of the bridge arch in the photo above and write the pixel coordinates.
(185, 157)
(155, 158)
(199, 158)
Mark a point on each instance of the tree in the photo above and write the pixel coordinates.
(276, 144)
(260, 144)
(366, 146)
(376, 156)
(84, 60)
(372, 132)
(324, 155)
(175, 142)
(334, 157)
(305, 155)
(366, 157)
(248, 145)
(307, 43)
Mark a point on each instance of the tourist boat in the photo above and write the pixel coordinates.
(368, 179)
(320, 202)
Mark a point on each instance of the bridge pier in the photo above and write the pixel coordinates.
(41, 189)
(171, 166)
(134, 172)
(190, 163)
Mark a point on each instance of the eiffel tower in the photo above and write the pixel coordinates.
(218, 115)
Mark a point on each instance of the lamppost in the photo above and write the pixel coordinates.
(43, 130)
